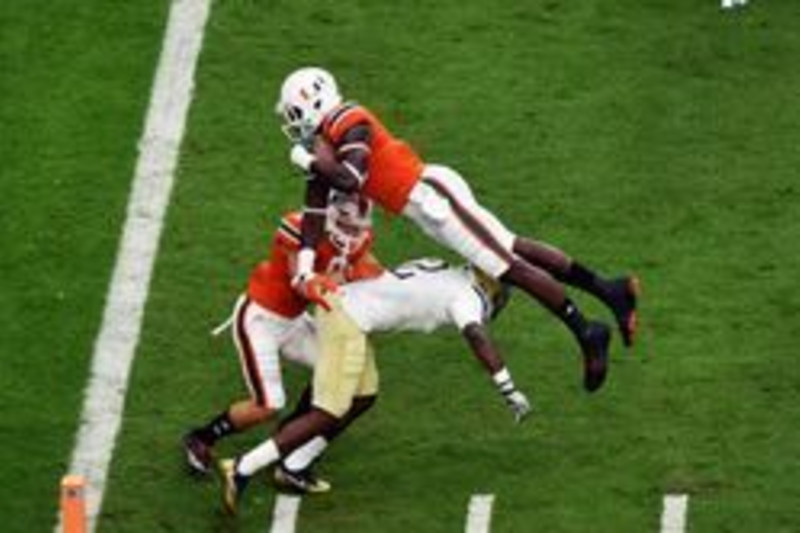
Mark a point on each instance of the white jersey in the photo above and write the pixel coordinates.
(420, 295)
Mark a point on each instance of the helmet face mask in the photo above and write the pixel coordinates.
(295, 128)
(349, 217)
(307, 95)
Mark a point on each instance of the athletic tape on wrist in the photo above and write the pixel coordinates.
(305, 262)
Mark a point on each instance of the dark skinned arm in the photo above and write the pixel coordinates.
(312, 228)
(347, 170)
(483, 348)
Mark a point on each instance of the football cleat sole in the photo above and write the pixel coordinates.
(595, 356)
(627, 320)
(299, 482)
(199, 457)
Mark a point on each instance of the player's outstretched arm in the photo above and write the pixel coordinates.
(312, 229)
(484, 350)
(313, 286)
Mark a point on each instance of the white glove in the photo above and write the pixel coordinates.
(300, 156)
(516, 401)
(519, 405)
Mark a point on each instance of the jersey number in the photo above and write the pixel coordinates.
(411, 268)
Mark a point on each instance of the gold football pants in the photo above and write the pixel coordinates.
(346, 367)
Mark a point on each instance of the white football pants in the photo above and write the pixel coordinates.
(262, 337)
(443, 205)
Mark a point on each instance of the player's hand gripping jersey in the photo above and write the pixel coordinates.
(270, 283)
(267, 319)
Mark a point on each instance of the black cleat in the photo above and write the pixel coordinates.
(625, 292)
(198, 454)
(304, 481)
(595, 355)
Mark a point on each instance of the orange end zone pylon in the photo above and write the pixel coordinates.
(73, 504)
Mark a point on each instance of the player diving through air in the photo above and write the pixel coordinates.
(420, 295)
(341, 145)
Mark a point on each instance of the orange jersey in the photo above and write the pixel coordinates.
(393, 166)
(270, 284)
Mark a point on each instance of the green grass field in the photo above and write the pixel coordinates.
(658, 137)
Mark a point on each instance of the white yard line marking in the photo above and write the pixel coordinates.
(673, 518)
(479, 513)
(284, 515)
(116, 342)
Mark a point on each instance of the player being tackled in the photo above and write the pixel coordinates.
(422, 295)
(267, 322)
(342, 145)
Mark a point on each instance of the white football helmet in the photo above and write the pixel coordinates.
(349, 217)
(496, 293)
(307, 95)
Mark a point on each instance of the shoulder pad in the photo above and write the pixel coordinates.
(344, 118)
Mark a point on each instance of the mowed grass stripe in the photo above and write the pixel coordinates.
(119, 333)
(284, 514)
(673, 517)
(479, 513)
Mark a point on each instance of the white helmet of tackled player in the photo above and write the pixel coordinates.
(307, 95)
(348, 219)
(496, 293)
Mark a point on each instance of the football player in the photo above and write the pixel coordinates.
(267, 317)
(422, 295)
(342, 145)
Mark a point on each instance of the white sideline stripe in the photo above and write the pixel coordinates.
(673, 517)
(284, 514)
(479, 513)
(116, 341)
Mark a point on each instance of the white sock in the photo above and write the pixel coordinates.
(262, 455)
(303, 456)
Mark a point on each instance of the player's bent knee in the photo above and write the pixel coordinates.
(336, 408)
(277, 404)
(273, 397)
